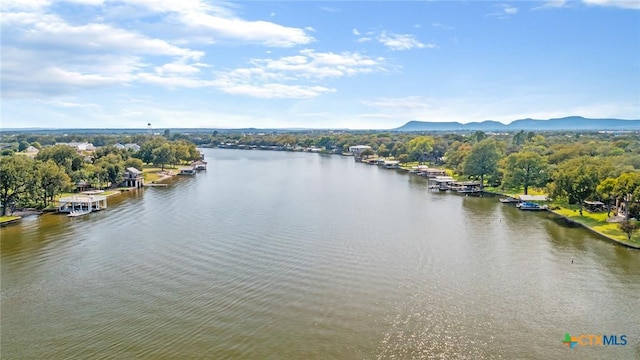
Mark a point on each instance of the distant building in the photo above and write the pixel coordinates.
(84, 146)
(356, 150)
(133, 177)
(134, 147)
(31, 151)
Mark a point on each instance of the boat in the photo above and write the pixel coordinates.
(531, 206)
(77, 213)
(509, 200)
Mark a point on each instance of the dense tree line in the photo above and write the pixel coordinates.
(34, 182)
(571, 166)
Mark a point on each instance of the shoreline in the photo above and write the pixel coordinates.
(625, 243)
(603, 235)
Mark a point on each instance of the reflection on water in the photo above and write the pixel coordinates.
(290, 255)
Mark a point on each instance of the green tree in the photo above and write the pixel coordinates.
(62, 155)
(383, 151)
(519, 138)
(16, 179)
(576, 179)
(478, 136)
(163, 155)
(398, 149)
(628, 227)
(456, 155)
(51, 180)
(146, 149)
(134, 163)
(605, 191)
(483, 159)
(525, 169)
(627, 188)
(419, 148)
(23, 145)
(111, 167)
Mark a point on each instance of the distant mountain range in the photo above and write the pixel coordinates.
(567, 123)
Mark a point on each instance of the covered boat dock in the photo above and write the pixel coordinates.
(82, 203)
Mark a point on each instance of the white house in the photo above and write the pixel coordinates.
(356, 150)
(31, 151)
(83, 146)
(134, 147)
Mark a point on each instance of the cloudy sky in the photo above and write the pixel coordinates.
(339, 64)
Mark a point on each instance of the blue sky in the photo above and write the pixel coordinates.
(340, 64)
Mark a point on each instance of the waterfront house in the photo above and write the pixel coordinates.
(82, 185)
(133, 177)
(199, 165)
(357, 150)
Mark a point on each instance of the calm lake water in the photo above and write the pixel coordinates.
(274, 255)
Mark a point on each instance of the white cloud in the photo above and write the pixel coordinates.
(102, 38)
(220, 22)
(506, 11)
(399, 42)
(272, 90)
(442, 26)
(329, 9)
(259, 32)
(625, 4)
(356, 32)
(552, 4)
(280, 78)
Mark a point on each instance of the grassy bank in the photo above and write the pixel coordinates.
(8, 219)
(597, 222)
(153, 174)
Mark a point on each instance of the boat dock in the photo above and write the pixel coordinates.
(77, 205)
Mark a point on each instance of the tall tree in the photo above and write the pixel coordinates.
(627, 188)
(628, 227)
(17, 174)
(111, 166)
(163, 155)
(576, 179)
(419, 147)
(51, 180)
(457, 154)
(525, 169)
(605, 191)
(62, 155)
(483, 159)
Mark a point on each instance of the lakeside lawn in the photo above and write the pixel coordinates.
(5, 219)
(514, 192)
(598, 222)
(152, 174)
